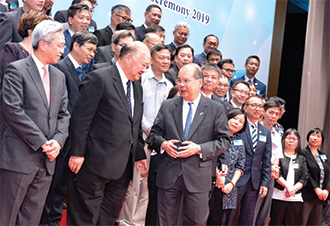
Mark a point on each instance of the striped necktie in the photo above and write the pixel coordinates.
(254, 137)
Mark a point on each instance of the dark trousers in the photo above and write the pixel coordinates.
(94, 200)
(195, 208)
(246, 202)
(22, 196)
(285, 213)
(52, 213)
(312, 212)
(218, 216)
(151, 217)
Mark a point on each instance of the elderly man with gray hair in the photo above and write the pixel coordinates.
(36, 116)
(180, 34)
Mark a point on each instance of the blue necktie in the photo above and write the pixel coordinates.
(128, 95)
(188, 121)
(80, 74)
(254, 137)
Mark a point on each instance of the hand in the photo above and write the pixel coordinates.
(75, 163)
(325, 194)
(190, 149)
(147, 131)
(52, 149)
(290, 191)
(319, 193)
(275, 171)
(227, 188)
(220, 180)
(263, 191)
(142, 166)
(224, 170)
(170, 148)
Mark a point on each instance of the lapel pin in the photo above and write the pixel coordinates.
(260, 131)
(202, 113)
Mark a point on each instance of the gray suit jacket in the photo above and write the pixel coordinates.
(209, 129)
(29, 120)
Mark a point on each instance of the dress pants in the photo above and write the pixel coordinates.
(195, 208)
(312, 212)
(22, 196)
(263, 206)
(94, 200)
(326, 214)
(285, 213)
(246, 202)
(134, 206)
(218, 215)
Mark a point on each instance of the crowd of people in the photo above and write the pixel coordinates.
(121, 129)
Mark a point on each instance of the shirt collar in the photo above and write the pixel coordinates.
(247, 79)
(196, 101)
(74, 62)
(122, 75)
(251, 123)
(209, 96)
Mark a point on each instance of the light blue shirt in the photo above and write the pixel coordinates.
(154, 93)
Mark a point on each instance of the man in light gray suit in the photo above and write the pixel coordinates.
(36, 116)
(189, 131)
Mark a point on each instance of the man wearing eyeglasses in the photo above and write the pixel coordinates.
(152, 15)
(36, 126)
(210, 42)
(104, 57)
(252, 64)
(189, 131)
(239, 94)
(119, 14)
(82, 51)
(180, 34)
(257, 171)
(151, 39)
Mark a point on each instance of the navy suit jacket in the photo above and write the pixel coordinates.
(260, 86)
(200, 58)
(258, 163)
(140, 32)
(171, 48)
(8, 26)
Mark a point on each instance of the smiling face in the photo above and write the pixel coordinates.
(222, 87)
(80, 21)
(37, 5)
(153, 17)
(253, 108)
(52, 52)
(85, 53)
(181, 35)
(211, 43)
(210, 80)
(252, 67)
(236, 124)
(161, 61)
(315, 140)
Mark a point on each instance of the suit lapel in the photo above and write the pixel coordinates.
(35, 76)
(249, 139)
(200, 113)
(137, 100)
(72, 70)
(120, 90)
(177, 115)
(53, 85)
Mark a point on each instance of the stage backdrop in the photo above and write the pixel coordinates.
(244, 27)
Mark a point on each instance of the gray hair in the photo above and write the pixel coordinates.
(181, 24)
(118, 8)
(121, 34)
(211, 67)
(45, 31)
(195, 68)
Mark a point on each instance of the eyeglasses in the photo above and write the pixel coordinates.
(255, 105)
(183, 34)
(59, 46)
(121, 44)
(90, 49)
(125, 18)
(153, 44)
(229, 70)
(184, 81)
(291, 138)
(212, 43)
(242, 91)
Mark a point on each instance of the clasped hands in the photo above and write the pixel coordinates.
(52, 149)
(188, 150)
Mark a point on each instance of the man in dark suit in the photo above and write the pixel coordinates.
(189, 131)
(71, 67)
(258, 147)
(152, 15)
(239, 93)
(62, 15)
(210, 42)
(107, 138)
(119, 14)
(9, 21)
(36, 116)
(180, 35)
(252, 64)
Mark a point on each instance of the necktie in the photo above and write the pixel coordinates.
(250, 81)
(45, 82)
(188, 121)
(80, 74)
(254, 137)
(128, 95)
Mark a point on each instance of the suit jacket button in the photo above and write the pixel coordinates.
(130, 141)
(49, 118)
